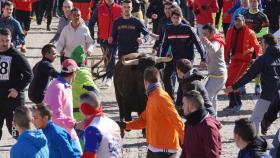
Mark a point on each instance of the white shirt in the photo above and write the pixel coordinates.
(70, 38)
(277, 37)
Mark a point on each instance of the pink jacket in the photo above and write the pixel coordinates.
(60, 100)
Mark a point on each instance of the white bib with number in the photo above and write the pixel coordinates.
(5, 66)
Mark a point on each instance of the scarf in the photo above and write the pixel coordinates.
(218, 37)
(88, 110)
(152, 87)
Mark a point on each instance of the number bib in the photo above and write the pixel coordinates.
(5, 66)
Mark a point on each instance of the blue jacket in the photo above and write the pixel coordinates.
(256, 149)
(30, 144)
(60, 142)
(14, 26)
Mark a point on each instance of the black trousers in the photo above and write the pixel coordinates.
(151, 154)
(225, 28)
(24, 18)
(7, 113)
(46, 6)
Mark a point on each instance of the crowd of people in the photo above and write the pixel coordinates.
(237, 40)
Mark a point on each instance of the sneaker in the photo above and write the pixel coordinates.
(242, 90)
(48, 28)
(108, 82)
(258, 90)
(23, 48)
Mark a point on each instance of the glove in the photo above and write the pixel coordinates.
(264, 127)
(196, 12)
(204, 7)
(121, 124)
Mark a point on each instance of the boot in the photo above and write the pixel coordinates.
(237, 102)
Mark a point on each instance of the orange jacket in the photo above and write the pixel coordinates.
(163, 124)
(250, 45)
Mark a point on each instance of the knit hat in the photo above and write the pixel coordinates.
(69, 66)
(78, 54)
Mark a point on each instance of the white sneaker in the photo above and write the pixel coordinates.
(108, 82)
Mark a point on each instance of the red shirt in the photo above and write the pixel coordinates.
(24, 5)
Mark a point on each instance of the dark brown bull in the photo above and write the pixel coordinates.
(129, 84)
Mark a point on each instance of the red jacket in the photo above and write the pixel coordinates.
(85, 7)
(204, 10)
(24, 5)
(202, 137)
(106, 17)
(227, 4)
(250, 45)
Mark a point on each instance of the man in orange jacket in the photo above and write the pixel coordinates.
(241, 43)
(164, 126)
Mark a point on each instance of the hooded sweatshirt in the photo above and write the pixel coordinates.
(256, 149)
(193, 81)
(30, 144)
(268, 65)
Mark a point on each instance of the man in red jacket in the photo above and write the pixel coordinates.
(105, 15)
(204, 11)
(202, 136)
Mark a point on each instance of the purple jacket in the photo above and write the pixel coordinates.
(202, 137)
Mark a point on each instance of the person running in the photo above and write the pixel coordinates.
(64, 20)
(7, 21)
(217, 72)
(248, 141)
(59, 98)
(128, 25)
(179, 39)
(102, 135)
(45, 8)
(43, 72)
(60, 142)
(160, 119)
(23, 15)
(105, 15)
(79, 34)
(268, 66)
(241, 43)
(15, 75)
(202, 136)
(31, 142)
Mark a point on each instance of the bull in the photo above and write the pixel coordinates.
(129, 84)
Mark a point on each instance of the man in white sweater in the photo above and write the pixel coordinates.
(214, 45)
(74, 34)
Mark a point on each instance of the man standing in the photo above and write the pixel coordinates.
(31, 142)
(214, 44)
(45, 8)
(105, 14)
(60, 99)
(60, 142)
(43, 72)
(63, 20)
(202, 136)
(15, 75)
(164, 126)
(241, 43)
(179, 39)
(74, 34)
(268, 66)
(101, 134)
(7, 21)
(126, 31)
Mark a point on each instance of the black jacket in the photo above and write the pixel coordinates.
(43, 72)
(15, 72)
(272, 11)
(182, 38)
(155, 7)
(193, 81)
(268, 66)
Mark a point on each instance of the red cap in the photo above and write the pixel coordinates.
(69, 65)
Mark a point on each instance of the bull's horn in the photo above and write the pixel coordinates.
(130, 62)
(164, 59)
(130, 56)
